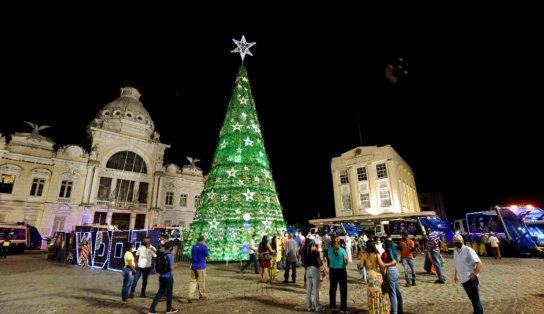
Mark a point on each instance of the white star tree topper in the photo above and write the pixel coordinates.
(242, 47)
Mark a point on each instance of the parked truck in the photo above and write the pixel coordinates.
(520, 227)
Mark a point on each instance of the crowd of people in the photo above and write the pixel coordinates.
(379, 261)
(139, 264)
(321, 256)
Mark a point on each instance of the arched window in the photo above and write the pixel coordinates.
(127, 161)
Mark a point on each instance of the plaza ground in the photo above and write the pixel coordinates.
(32, 284)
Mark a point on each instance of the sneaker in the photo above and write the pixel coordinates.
(131, 296)
(142, 295)
(203, 298)
(413, 283)
(172, 310)
(407, 285)
(440, 281)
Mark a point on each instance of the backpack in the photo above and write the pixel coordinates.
(161, 263)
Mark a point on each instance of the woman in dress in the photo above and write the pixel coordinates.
(264, 253)
(273, 265)
(377, 302)
(84, 256)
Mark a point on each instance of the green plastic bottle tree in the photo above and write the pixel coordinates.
(239, 198)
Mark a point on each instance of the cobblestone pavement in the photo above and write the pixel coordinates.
(32, 284)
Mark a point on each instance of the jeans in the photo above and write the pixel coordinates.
(471, 288)
(338, 276)
(436, 261)
(166, 285)
(394, 294)
(127, 274)
(252, 259)
(144, 272)
(312, 279)
(409, 262)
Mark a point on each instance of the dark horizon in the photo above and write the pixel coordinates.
(465, 118)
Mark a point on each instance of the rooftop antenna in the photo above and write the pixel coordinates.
(359, 127)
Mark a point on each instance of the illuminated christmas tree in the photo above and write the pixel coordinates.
(239, 197)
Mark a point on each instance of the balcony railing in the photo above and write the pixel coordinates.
(121, 204)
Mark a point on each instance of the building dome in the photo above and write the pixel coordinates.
(127, 106)
(126, 114)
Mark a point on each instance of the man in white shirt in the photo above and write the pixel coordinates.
(253, 248)
(145, 254)
(467, 269)
(494, 242)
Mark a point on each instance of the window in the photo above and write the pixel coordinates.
(142, 192)
(183, 200)
(6, 183)
(66, 189)
(127, 161)
(169, 198)
(37, 187)
(361, 174)
(104, 189)
(125, 190)
(346, 202)
(365, 200)
(381, 171)
(197, 201)
(344, 177)
(385, 199)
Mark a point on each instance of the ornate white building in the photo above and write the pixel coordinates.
(371, 180)
(122, 181)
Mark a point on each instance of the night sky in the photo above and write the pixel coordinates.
(466, 117)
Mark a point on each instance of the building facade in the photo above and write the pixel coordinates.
(121, 181)
(371, 180)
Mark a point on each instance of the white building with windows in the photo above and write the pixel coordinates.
(122, 181)
(371, 180)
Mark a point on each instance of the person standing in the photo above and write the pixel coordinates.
(392, 277)
(128, 271)
(253, 250)
(265, 252)
(495, 246)
(166, 283)
(338, 275)
(467, 270)
(313, 262)
(5, 248)
(407, 256)
(326, 244)
(433, 246)
(291, 253)
(145, 254)
(84, 256)
(199, 253)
